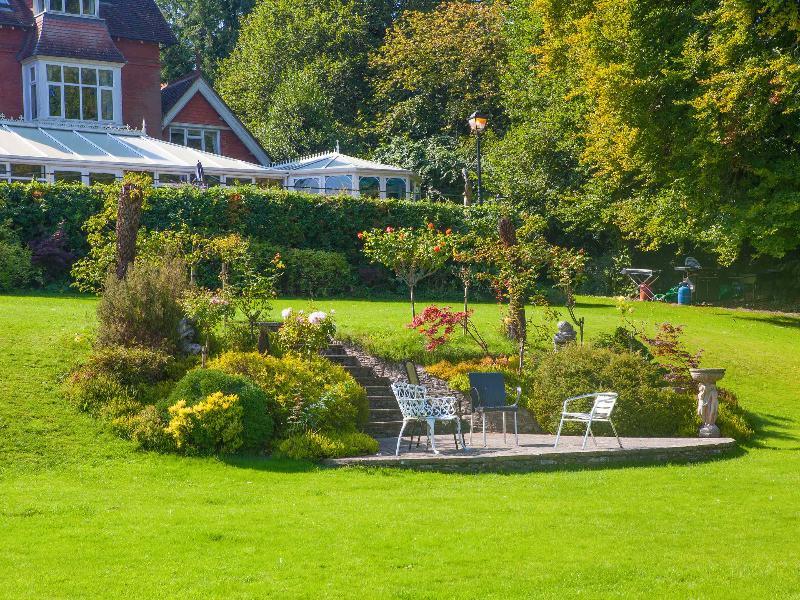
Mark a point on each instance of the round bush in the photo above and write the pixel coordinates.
(645, 406)
(129, 365)
(257, 421)
(311, 389)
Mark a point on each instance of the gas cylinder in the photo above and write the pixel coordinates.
(685, 294)
(645, 293)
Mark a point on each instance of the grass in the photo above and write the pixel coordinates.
(83, 515)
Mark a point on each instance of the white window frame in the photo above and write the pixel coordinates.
(184, 129)
(38, 107)
(61, 8)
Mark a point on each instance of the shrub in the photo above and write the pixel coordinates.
(90, 392)
(51, 255)
(455, 374)
(257, 421)
(212, 425)
(303, 334)
(297, 385)
(129, 366)
(315, 273)
(312, 445)
(147, 430)
(645, 407)
(143, 309)
(622, 340)
(16, 270)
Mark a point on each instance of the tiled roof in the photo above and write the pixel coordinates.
(19, 14)
(173, 92)
(131, 19)
(71, 37)
(136, 20)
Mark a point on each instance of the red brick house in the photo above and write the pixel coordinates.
(81, 100)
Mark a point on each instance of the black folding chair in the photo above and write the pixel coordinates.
(488, 392)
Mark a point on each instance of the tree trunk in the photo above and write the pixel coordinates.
(129, 210)
(413, 308)
(515, 325)
(466, 307)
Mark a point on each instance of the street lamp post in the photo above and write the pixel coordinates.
(477, 123)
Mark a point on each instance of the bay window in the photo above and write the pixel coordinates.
(73, 91)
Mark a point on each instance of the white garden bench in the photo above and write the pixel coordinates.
(417, 407)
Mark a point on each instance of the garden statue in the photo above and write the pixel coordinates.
(565, 335)
(187, 335)
(707, 399)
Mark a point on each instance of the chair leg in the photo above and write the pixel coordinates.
(591, 433)
(483, 416)
(471, 426)
(586, 435)
(504, 428)
(558, 434)
(516, 430)
(432, 434)
(614, 429)
(461, 435)
(400, 438)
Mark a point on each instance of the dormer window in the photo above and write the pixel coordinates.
(80, 8)
(73, 92)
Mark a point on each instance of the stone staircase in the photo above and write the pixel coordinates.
(385, 418)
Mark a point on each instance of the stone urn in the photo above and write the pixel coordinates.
(707, 399)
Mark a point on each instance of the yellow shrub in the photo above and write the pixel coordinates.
(212, 425)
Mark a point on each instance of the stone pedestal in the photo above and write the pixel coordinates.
(707, 399)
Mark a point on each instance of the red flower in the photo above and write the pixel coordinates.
(389, 229)
(361, 235)
(430, 225)
(436, 248)
(448, 232)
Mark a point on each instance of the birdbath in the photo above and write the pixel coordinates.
(707, 401)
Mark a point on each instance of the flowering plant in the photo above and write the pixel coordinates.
(306, 334)
(412, 254)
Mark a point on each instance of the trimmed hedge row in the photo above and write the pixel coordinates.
(285, 219)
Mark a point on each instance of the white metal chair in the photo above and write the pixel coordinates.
(418, 407)
(602, 407)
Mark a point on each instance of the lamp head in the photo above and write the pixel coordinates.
(478, 121)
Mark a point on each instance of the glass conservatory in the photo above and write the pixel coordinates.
(334, 173)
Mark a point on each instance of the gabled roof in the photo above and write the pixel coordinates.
(173, 92)
(111, 148)
(17, 14)
(67, 36)
(330, 161)
(178, 94)
(131, 19)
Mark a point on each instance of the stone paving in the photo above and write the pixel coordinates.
(537, 452)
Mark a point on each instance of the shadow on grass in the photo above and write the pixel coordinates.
(783, 321)
(768, 427)
(271, 464)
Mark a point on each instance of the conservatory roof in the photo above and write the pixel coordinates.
(336, 162)
(107, 147)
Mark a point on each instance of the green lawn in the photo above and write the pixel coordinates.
(83, 515)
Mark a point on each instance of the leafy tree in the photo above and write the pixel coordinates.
(685, 117)
(297, 72)
(206, 30)
(435, 68)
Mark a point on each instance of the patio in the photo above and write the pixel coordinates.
(535, 452)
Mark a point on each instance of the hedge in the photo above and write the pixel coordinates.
(285, 219)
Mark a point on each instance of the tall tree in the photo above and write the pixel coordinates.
(296, 76)
(207, 31)
(435, 68)
(681, 118)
